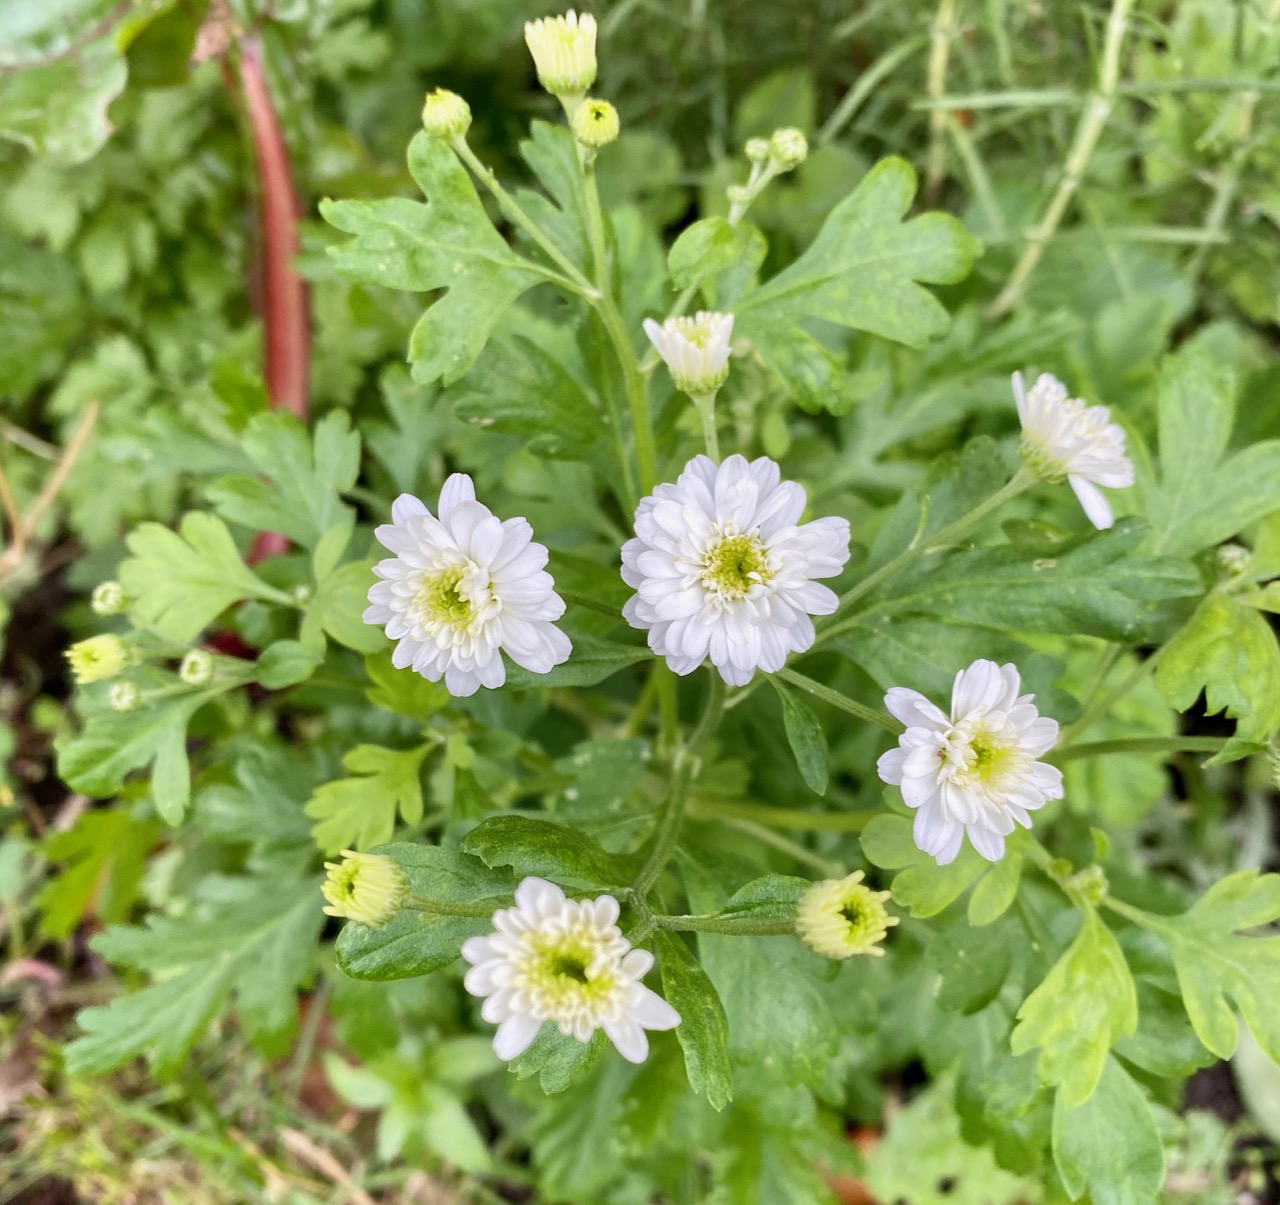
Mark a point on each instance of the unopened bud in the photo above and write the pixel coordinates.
(595, 123)
(368, 888)
(98, 658)
(738, 194)
(788, 148)
(564, 52)
(757, 149)
(1233, 559)
(196, 668)
(109, 599)
(445, 115)
(124, 696)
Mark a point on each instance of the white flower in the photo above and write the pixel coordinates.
(721, 568)
(974, 771)
(561, 960)
(463, 589)
(564, 52)
(696, 349)
(1062, 437)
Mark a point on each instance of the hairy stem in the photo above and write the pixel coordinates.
(1139, 744)
(836, 699)
(779, 817)
(943, 31)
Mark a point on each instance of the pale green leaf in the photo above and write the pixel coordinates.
(360, 811)
(533, 846)
(805, 736)
(703, 1030)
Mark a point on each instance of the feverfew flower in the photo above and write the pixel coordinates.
(696, 349)
(98, 658)
(368, 888)
(196, 668)
(564, 52)
(463, 589)
(723, 569)
(595, 123)
(974, 771)
(1064, 438)
(555, 959)
(839, 918)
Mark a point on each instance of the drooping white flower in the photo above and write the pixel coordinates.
(564, 52)
(464, 588)
(1064, 438)
(555, 959)
(696, 350)
(974, 771)
(722, 568)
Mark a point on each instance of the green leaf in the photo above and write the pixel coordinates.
(860, 272)
(521, 388)
(923, 887)
(254, 952)
(306, 477)
(703, 1031)
(551, 152)
(558, 1060)
(1098, 583)
(604, 774)
(443, 875)
(705, 248)
(805, 736)
(1110, 1145)
(448, 243)
(1205, 496)
(114, 743)
(106, 853)
(338, 607)
(996, 890)
(402, 691)
(182, 581)
(1218, 965)
(285, 663)
(359, 812)
(1086, 1002)
(972, 965)
(61, 66)
(538, 847)
(1229, 651)
(591, 662)
(772, 896)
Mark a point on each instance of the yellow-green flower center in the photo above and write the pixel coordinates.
(731, 567)
(560, 972)
(990, 757)
(839, 918)
(441, 599)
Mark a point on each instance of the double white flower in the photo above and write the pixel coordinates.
(974, 771)
(555, 959)
(695, 350)
(464, 588)
(1062, 437)
(723, 569)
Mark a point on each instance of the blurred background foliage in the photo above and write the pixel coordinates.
(130, 294)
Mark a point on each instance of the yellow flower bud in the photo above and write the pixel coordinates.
(564, 52)
(595, 123)
(838, 918)
(445, 115)
(98, 658)
(368, 888)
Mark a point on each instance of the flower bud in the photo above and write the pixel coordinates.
(595, 123)
(445, 115)
(196, 668)
(839, 918)
(564, 52)
(695, 350)
(757, 149)
(1233, 559)
(368, 888)
(788, 148)
(738, 194)
(124, 696)
(98, 658)
(109, 599)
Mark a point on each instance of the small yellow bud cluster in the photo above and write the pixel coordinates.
(368, 888)
(788, 148)
(783, 151)
(446, 115)
(839, 918)
(98, 658)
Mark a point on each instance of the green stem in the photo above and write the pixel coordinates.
(706, 404)
(792, 818)
(686, 766)
(836, 699)
(943, 31)
(1104, 705)
(1140, 744)
(765, 835)
(735, 926)
(515, 214)
(1021, 481)
(1092, 122)
(591, 604)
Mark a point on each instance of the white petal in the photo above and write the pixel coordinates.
(1096, 507)
(629, 1038)
(458, 488)
(910, 707)
(653, 1012)
(405, 506)
(515, 1035)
